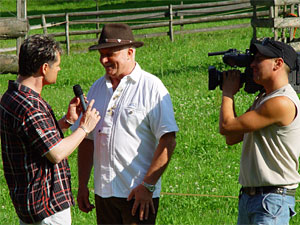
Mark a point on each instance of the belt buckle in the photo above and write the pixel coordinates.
(279, 191)
(252, 191)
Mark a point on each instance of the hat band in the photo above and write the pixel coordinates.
(118, 41)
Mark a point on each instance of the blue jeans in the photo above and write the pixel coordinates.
(269, 208)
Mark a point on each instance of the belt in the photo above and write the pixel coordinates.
(268, 189)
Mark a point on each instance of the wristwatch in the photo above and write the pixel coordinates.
(150, 187)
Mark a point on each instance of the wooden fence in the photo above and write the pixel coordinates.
(13, 28)
(171, 16)
(172, 19)
(284, 27)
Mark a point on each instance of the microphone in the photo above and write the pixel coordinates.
(78, 93)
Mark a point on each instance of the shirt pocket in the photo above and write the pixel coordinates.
(132, 117)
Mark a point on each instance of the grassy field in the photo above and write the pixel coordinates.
(200, 185)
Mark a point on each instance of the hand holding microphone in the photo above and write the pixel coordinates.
(90, 116)
(78, 93)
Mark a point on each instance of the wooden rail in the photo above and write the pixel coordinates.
(147, 18)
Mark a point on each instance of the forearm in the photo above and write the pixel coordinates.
(234, 138)
(227, 113)
(161, 158)
(85, 161)
(63, 124)
(66, 146)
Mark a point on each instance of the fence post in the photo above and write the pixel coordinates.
(67, 34)
(181, 18)
(292, 28)
(44, 24)
(171, 23)
(254, 16)
(21, 13)
(283, 37)
(97, 17)
(276, 13)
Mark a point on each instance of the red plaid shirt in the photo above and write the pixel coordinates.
(29, 130)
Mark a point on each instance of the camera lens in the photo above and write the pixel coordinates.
(215, 78)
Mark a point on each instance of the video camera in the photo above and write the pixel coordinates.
(235, 58)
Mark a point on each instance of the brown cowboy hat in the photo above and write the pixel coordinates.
(115, 35)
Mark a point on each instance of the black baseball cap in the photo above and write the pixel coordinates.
(276, 49)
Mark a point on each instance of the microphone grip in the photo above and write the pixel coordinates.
(78, 93)
(82, 101)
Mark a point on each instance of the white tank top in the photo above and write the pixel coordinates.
(270, 155)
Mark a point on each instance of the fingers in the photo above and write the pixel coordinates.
(90, 117)
(89, 207)
(142, 201)
(230, 74)
(134, 208)
(74, 100)
(84, 204)
(90, 105)
(83, 200)
(130, 196)
(92, 110)
(145, 208)
(142, 211)
(152, 206)
(146, 211)
(86, 207)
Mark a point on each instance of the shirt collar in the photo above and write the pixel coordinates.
(17, 86)
(135, 74)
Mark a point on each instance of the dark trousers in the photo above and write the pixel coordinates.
(118, 211)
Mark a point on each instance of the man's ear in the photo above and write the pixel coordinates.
(130, 51)
(44, 68)
(278, 63)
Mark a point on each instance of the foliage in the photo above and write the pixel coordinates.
(202, 164)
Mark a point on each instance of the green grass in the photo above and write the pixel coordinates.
(202, 163)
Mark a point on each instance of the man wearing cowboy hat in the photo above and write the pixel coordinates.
(134, 140)
(270, 132)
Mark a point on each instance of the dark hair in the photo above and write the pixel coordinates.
(35, 51)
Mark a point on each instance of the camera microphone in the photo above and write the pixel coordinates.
(78, 93)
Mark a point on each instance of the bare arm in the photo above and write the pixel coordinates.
(162, 156)
(85, 165)
(278, 110)
(228, 110)
(88, 122)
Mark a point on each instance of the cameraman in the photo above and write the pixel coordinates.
(270, 131)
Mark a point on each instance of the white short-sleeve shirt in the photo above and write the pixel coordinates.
(133, 119)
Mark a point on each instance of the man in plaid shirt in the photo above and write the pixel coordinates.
(34, 149)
